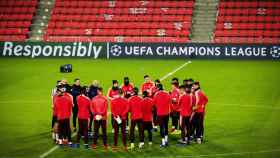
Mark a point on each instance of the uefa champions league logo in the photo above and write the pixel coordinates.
(275, 52)
(116, 50)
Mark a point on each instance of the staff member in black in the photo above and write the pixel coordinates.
(76, 91)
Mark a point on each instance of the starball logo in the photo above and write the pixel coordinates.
(275, 52)
(116, 50)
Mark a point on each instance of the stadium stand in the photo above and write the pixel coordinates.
(248, 22)
(120, 21)
(15, 19)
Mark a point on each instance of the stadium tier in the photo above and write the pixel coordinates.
(237, 21)
(120, 21)
(248, 22)
(15, 19)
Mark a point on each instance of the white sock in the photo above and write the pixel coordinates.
(53, 135)
(173, 127)
(163, 141)
(186, 138)
(56, 137)
(166, 138)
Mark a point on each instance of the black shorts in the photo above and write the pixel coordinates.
(54, 120)
(147, 125)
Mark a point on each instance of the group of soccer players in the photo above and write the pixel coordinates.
(146, 109)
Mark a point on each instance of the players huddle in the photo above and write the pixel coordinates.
(185, 104)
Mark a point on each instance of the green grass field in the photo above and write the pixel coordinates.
(242, 115)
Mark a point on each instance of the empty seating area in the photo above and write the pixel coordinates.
(246, 21)
(15, 19)
(120, 21)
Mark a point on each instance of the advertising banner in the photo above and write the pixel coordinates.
(139, 50)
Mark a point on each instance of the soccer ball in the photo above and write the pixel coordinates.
(116, 50)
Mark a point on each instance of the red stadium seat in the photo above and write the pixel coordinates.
(247, 22)
(101, 21)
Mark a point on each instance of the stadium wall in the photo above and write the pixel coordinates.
(139, 50)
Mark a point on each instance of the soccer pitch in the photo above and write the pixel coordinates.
(242, 117)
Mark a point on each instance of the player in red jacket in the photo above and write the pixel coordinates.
(113, 93)
(147, 85)
(185, 102)
(136, 116)
(54, 114)
(147, 107)
(119, 109)
(175, 114)
(127, 89)
(99, 105)
(83, 105)
(199, 109)
(154, 110)
(162, 101)
(63, 104)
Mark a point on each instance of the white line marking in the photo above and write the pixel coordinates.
(175, 70)
(231, 154)
(53, 149)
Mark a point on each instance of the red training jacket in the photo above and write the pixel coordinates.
(201, 101)
(175, 94)
(148, 86)
(147, 107)
(135, 107)
(162, 101)
(119, 107)
(63, 106)
(185, 103)
(127, 89)
(83, 107)
(99, 106)
(112, 94)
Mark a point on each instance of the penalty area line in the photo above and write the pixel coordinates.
(53, 149)
(175, 70)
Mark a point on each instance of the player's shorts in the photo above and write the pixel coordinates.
(147, 125)
(54, 120)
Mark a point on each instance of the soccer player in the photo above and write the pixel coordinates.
(136, 116)
(83, 104)
(63, 104)
(113, 93)
(185, 102)
(99, 105)
(92, 92)
(119, 109)
(54, 115)
(76, 90)
(162, 101)
(147, 107)
(199, 108)
(127, 89)
(147, 85)
(154, 110)
(175, 114)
